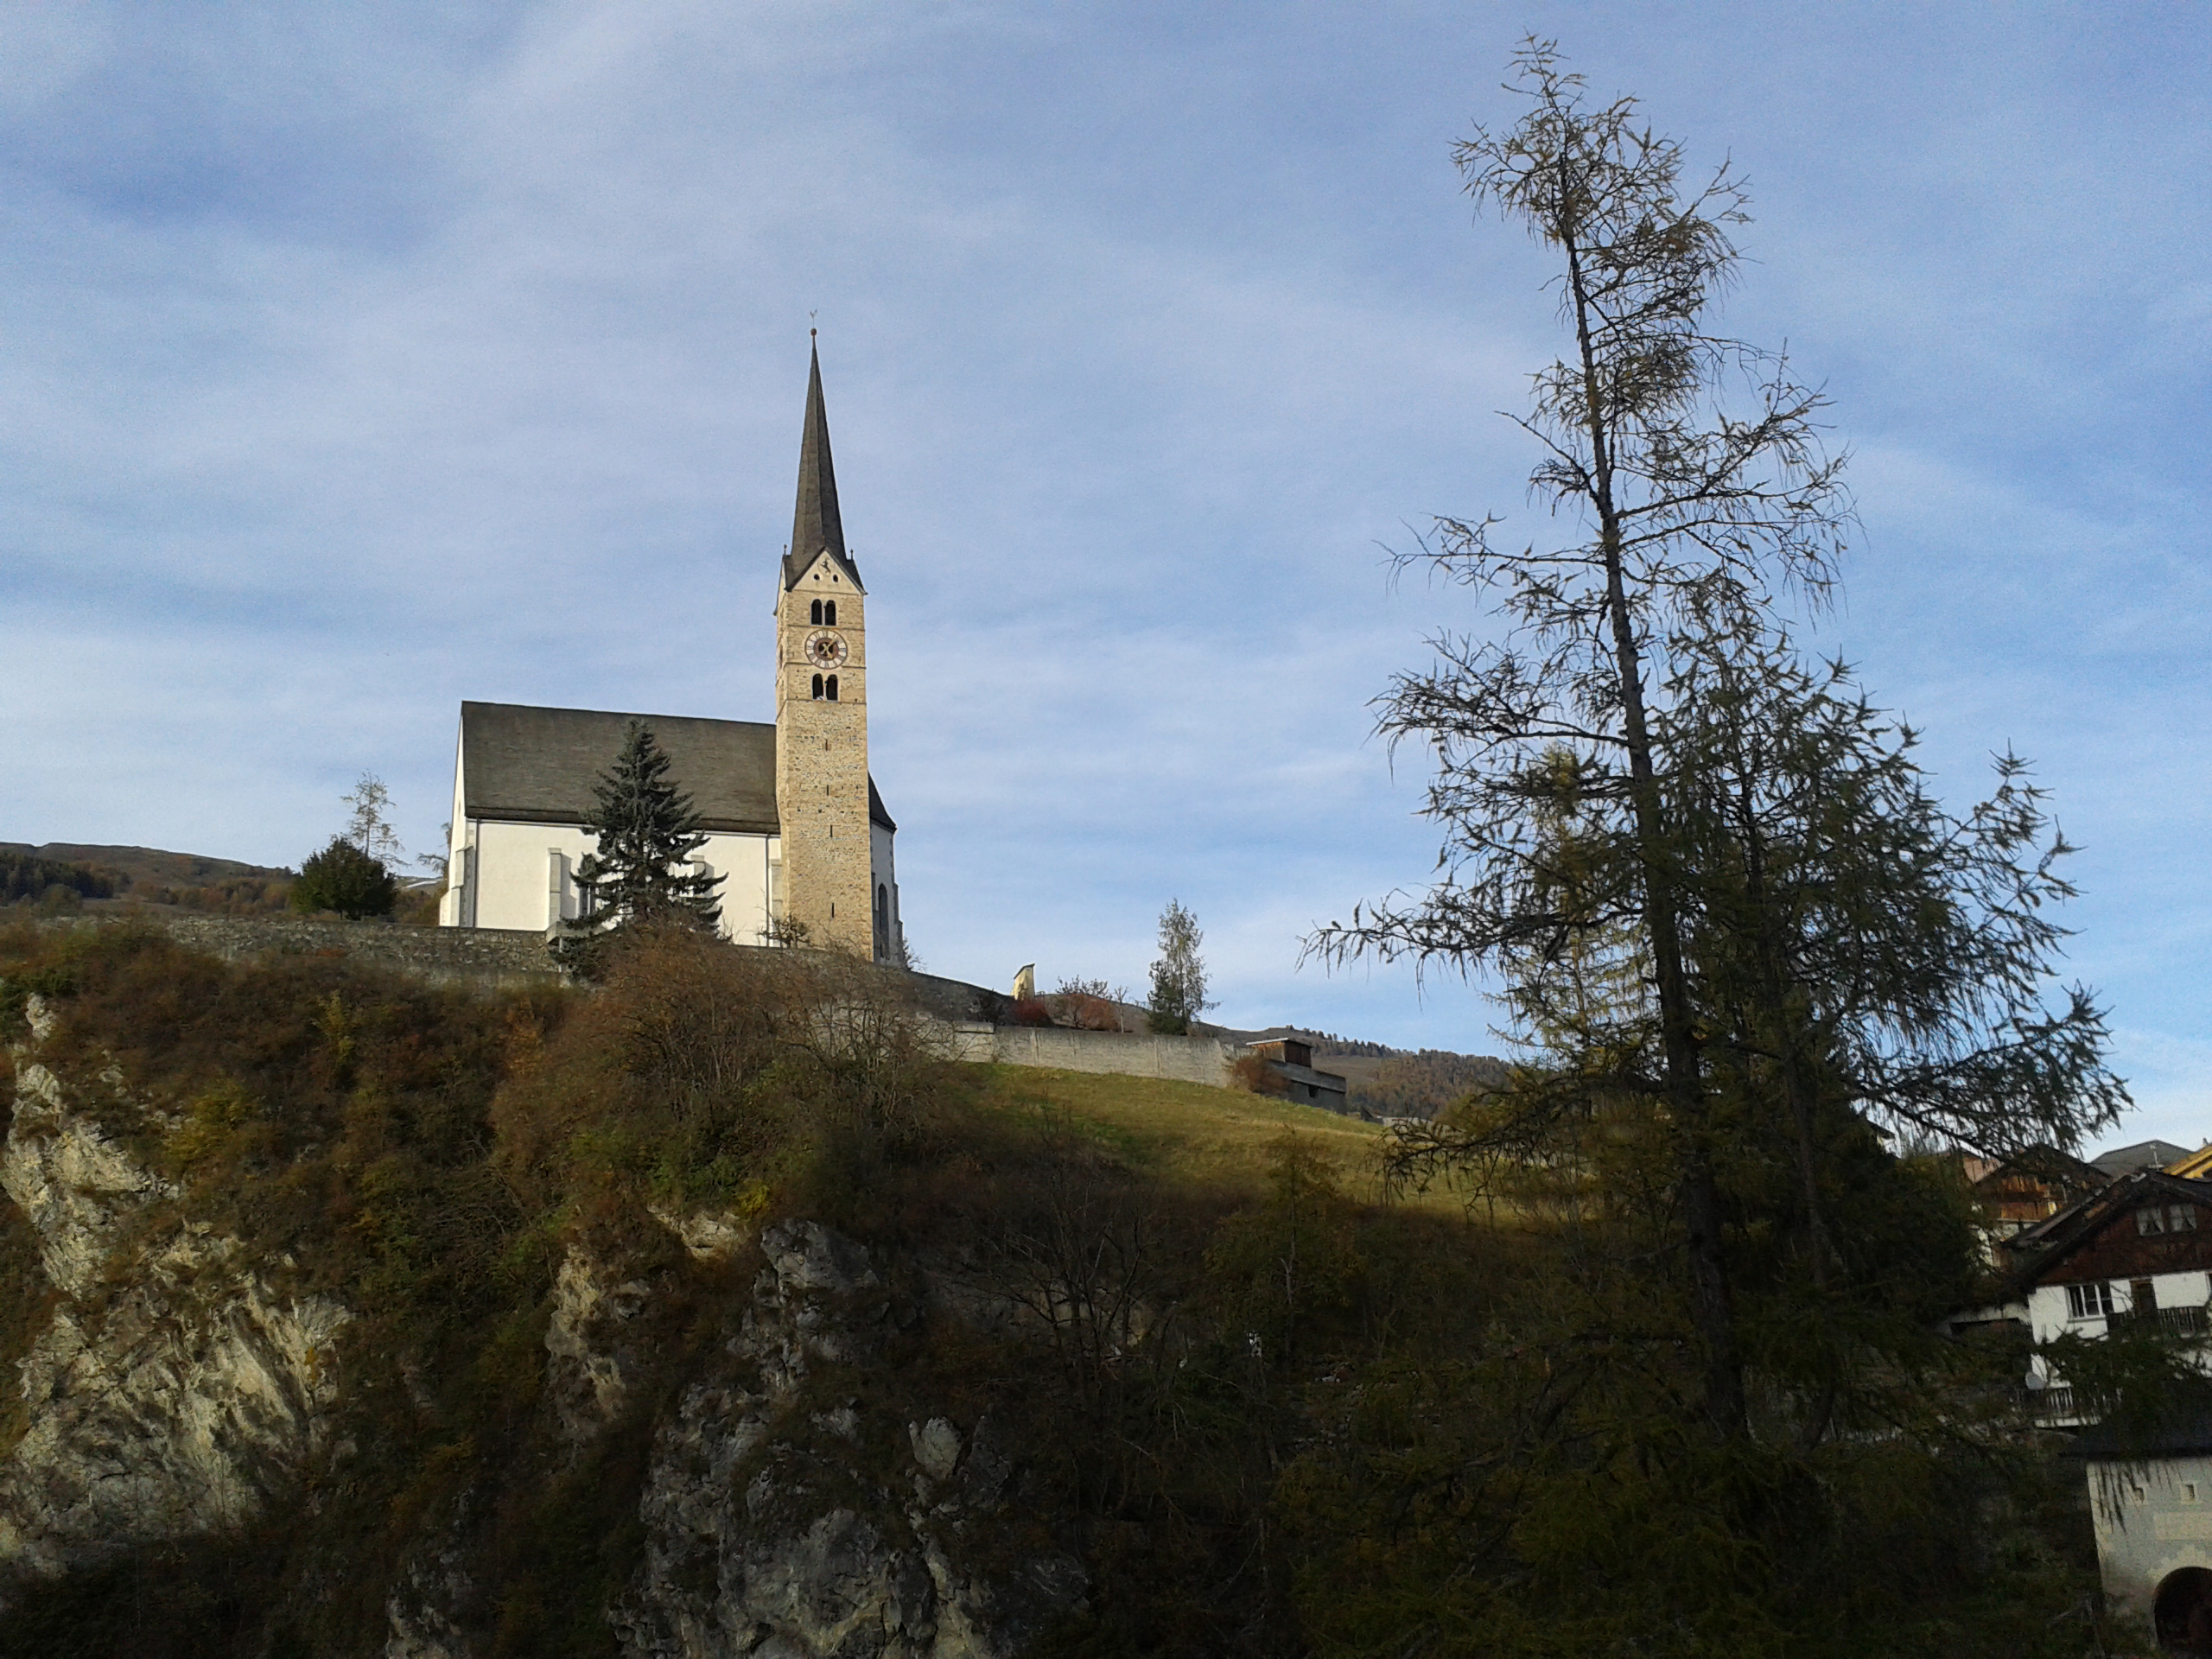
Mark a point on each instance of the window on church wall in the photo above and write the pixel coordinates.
(818, 614)
(818, 687)
(828, 613)
(833, 688)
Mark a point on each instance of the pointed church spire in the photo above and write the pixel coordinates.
(816, 525)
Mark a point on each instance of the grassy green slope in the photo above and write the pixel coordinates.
(1187, 1134)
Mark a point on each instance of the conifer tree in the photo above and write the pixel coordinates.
(1715, 889)
(647, 830)
(1178, 975)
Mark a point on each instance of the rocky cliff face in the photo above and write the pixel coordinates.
(173, 1391)
(771, 1530)
(170, 1388)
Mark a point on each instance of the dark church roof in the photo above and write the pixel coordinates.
(537, 765)
(815, 527)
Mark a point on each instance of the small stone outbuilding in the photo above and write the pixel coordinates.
(2152, 1499)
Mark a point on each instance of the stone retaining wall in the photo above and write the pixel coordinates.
(487, 956)
(1129, 1054)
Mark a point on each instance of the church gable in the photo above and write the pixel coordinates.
(827, 570)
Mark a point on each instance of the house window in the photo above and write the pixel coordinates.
(2089, 1301)
(828, 613)
(2150, 1221)
(818, 687)
(833, 688)
(816, 617)
(2181, 1219)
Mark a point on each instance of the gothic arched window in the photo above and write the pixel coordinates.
(833, 688)
(828, 613)
(817, 612)
(818, 687)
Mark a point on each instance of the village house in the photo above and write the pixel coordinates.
(2131, 1254)
(2137, 1252)
(2013, 1194)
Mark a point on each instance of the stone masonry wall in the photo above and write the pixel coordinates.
(484, 956)
(1129, 1054)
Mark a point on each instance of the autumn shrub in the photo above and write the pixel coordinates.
(1087, 1005)
(702, 1074)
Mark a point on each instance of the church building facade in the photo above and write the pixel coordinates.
(793, 823)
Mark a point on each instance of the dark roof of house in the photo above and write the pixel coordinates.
(816, 526)
(2143, 1154)
(537, 765)
(2040, 1249)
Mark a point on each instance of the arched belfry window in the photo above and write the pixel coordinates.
(828, 613)
(818, 687)
(817, 612)
(833, 688)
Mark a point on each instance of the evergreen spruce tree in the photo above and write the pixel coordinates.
(1179, 976)
(647, 830)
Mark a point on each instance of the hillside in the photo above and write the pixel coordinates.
(709, 1313)
(123, 875)
(149, 866)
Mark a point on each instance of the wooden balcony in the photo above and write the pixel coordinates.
(2160, 1321)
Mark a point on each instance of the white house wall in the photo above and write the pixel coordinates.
(2047, 1304)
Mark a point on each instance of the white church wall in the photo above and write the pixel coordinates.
(883, 875)
(523, 876)
(452, 908)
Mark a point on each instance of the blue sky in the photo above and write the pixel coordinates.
(365, 359)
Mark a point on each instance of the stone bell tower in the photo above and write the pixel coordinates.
(822, 785)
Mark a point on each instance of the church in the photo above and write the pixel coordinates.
(793, 823)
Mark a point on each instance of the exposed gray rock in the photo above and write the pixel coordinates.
(937, 1448)
(167, 1394)
(710, 1236)
(588, 1373)
(767, 1541)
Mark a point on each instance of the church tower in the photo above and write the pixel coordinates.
(821, 783)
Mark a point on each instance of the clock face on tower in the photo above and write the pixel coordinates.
(825, 650)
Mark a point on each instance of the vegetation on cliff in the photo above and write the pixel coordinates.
(1268, 1411)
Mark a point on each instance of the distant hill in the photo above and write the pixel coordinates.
(148, 875)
